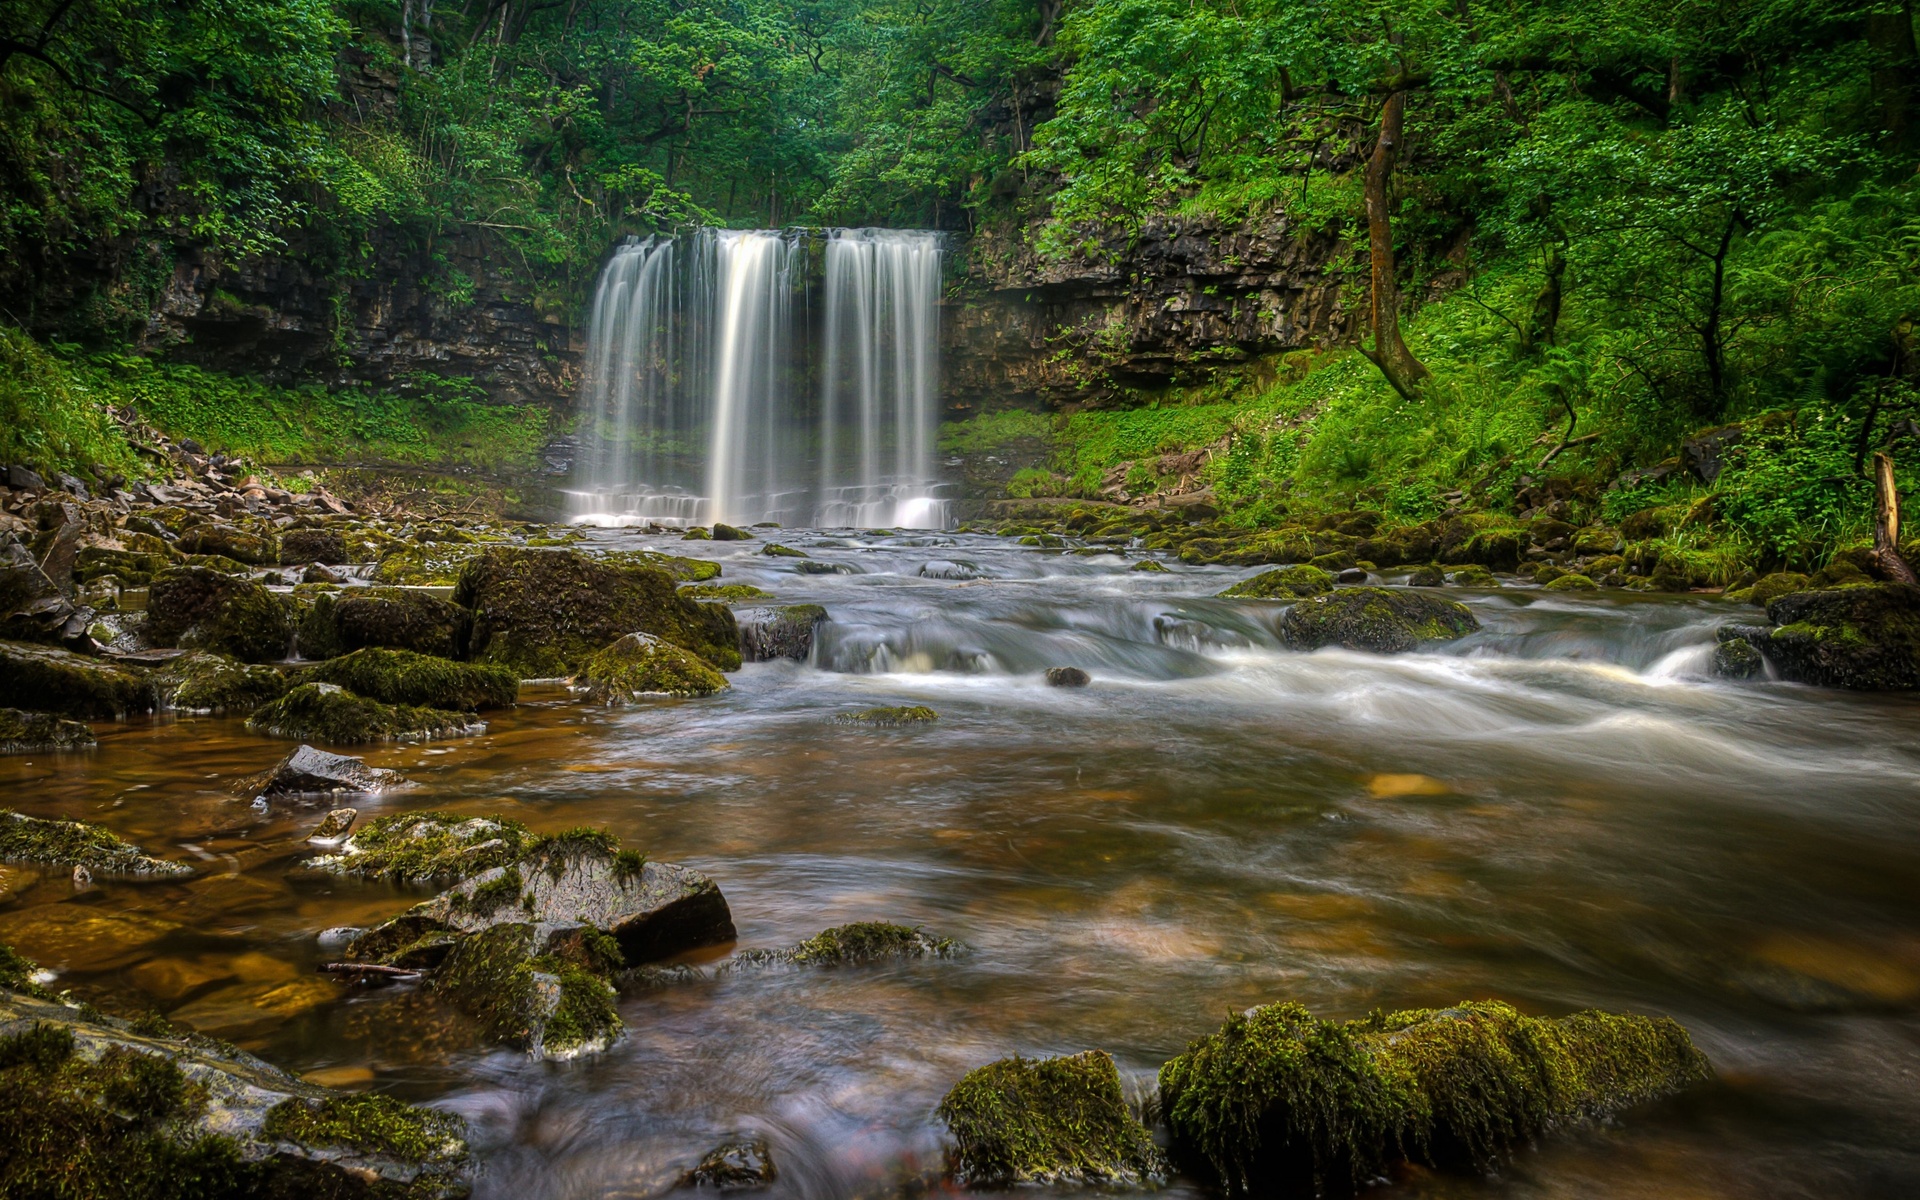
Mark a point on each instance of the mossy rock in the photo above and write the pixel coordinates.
(1428, 576)
(1543, 573)
(1866, 638)
(1572, 581)
(1048, 1121)
(1472, 575)
(93, 1106)
(403, 677)
(59, 681)
(1280, 1101)
(544, 612)
(25, 839)
(328, 713)
(697, 534)
(1287, 583)
(1769, 588)
(685, 570)
(776, 550)
(535, 1001)
(326, 546)
(641, 665)
(395, 619)
(767, 634)
(314, 633)
(132, 568)
(33, 732)
(1149, 564)
(917, 714)
(202, 682)
(428, 847)
(433, 564)
(255, 548)
(1734, 654)
(724, 592)
(1847, 568)
(1381, 620)
(730, 533)
(205, 610)
(858, 944)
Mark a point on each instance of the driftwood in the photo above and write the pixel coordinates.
(1886, 524)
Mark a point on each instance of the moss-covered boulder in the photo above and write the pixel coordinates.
(543, 612)
(533, 987)
(206, 610)
(391, 618)
(730, 533)
(889, 717)
(1428, 575)
(328, 713)
(432, 564)
(1734, 654)
(254, 547)
(1286, 583)
(91, 1106)
(1382, 620)
(1572, 581)
(73, 685)
(1473, 575)
(64, 844)
(641, 665)
(403, 677)
(1280, 1102)
(1865, 637)
(204, 682)
(734, 1166)
(428, 847)
(326, 546)
(725, 592)
(1769, 588)
(1049, 1121)
(858, 944)
(685, 570)
(767, 634)
(33, 732)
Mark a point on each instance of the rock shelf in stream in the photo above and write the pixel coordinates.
(1382, 620)
(641, 665)
(25, 839)
(769, 634)
(427, 847)
(95, 1106)
(858, 944)
(1048, 1121)
(326, 712)
(892, 717)
(404, 677)
(310, 772)
(34, 732)
(203, 682)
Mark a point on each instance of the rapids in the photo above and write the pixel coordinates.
(1560, 811)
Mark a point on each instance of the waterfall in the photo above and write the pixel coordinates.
(881, 378)
(713, 394)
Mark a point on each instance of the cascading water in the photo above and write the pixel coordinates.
(709, 399)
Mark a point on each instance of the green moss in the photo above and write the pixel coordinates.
(1148, 564)
(1572, 582)
(323, 712)
(404, 677)
(46, 679)
(882, 717)
(1381, 620)
(371, 1123)
(493, 895)
(77, 844)
(696, 534)
(206, 610)
(686, 570)
(1287, 583)
(776, 550)
(435, 564)
(429, 847)
(17, 972)
(545, 611)
(1279, 1099)
(212, 683)
(541, 1003)
(642, 665)
(257, 547)
(1771, 587)
(397, 619)
(1049, 1120)
(33, 732)
(1865, 637)
(724, 592)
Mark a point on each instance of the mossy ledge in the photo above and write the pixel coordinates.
(1286, 583)
(1278, 1099)
(428, 847)
(918, 714)
(405, 677)
(640, 665)
(328, 713)
(851, 945)
(77, 844)
(1047, 1120)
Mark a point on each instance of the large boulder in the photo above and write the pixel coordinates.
(1286, 583)
(73, 685)
(403, 677)
(66, 844)
(535, 987)
(1865, 637)
(391, 617)
(35, 732)
(94, 1106)
(203, 682)
(1382, 620)
(1278, 1101)
(312, 546)
(204, 609)
(328, 713)
(256, 548)
(544, 611)
(1048, 1121)
(767, 634)
(310, 772)
(641, 665)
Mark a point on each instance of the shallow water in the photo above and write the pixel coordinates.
(1559, 811)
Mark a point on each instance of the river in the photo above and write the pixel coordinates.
(1560, 811)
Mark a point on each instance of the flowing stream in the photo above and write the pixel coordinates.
(730, 379)
(1559, 811)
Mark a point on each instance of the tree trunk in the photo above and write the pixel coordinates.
(1896, 71)
(1544, 323)
(1886, 524)
(1389, 352)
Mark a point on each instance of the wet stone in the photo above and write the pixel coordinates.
(34, 732)
(767, 634)
(1067, 677)
(734, 1166)
(310, 772)
(882, 718)
(77, 844)
(333, 828)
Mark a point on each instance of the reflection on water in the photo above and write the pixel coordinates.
(1559, 811)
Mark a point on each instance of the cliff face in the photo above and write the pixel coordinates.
(1116, 318)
